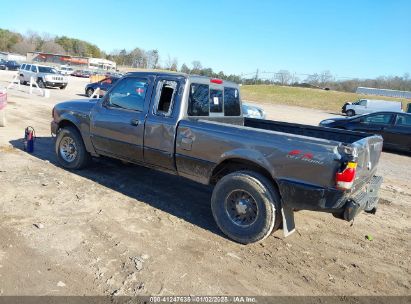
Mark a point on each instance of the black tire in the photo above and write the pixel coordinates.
(82, 157)
(350, 113)
(63, 87)
(89, 92)
(265, 198)
(40, 83)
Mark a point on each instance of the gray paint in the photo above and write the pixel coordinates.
(194, 146)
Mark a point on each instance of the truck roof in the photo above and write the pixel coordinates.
(192, 77)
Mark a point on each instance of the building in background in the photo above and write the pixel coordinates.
(76, 62)
(12, 56)
(384, 92)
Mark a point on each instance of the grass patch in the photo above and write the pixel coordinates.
(304, 97)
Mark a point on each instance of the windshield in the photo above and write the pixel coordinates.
(47, 70)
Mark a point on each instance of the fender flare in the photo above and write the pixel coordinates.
(83, 128)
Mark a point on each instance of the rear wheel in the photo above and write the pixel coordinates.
(70, 149)
(350, 113)
(89, 92)
(246, 207)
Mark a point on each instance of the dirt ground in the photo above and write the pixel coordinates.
(127, 230)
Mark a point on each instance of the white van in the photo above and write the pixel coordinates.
(364, 106)
(66, 70)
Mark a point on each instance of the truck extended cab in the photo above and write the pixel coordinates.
(192, 126)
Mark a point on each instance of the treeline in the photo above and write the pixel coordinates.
(326, 80)
(150, 59)
(32, 41)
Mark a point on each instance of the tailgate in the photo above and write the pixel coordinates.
(369, 152)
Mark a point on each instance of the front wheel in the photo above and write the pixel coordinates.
(350, 113)
(70, 149)
(246, 207)
(41, 84)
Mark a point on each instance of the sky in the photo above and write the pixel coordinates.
(361, 39)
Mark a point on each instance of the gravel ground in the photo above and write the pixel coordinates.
(127, 230)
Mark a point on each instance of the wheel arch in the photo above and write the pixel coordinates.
(72, 122)
(233, 164)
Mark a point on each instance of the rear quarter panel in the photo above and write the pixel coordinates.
(285, 156)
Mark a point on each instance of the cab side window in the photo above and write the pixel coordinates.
(128, 94)
(198, 100)
(34, 68)
(403, 120)
(165, 94)
(378, 119)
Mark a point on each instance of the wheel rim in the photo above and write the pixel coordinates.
(68, 149)
(89, 92)
(241, 208)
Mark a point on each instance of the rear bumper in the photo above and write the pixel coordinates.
(364, 199)
(300, 196)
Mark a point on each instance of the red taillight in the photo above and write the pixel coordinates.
(345, 179)
(217, 81)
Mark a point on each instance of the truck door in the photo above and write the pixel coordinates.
(161, 123)
(117, 120)
(399, 133)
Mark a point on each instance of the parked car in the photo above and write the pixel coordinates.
(66, 70)
(104, 85)
(252, 111)
(9, 65)
(394, 127)
(192, 126)
(44, 76)
(364, 106)
(82, 74)
(2, 64)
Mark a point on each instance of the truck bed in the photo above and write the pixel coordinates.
(344, 136)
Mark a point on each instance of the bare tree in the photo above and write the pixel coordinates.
(52, 47)
(184, 69)
(283, 77)
(313, 79)
(152, 59)
(23, 47)
(325, 78)
(197, 67)
(174, 65)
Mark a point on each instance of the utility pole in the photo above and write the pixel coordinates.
(256, 77)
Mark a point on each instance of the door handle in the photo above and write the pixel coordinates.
(135, 122)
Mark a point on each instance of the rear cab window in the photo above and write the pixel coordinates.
(213, 100)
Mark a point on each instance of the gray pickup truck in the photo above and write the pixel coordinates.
(262, 171)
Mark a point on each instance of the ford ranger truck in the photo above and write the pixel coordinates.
(192, 126)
